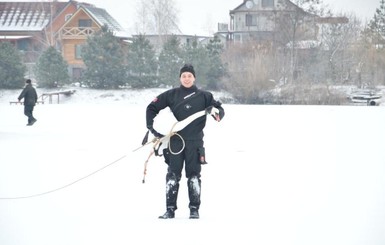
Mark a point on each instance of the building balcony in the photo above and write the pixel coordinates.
(77, 32)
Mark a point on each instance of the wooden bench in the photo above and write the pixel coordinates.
(22, 102)
(49, 95)
(57, 94)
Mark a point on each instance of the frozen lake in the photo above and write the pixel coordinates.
(276, 175)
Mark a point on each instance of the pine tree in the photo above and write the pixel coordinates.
(374, 35)
(216, 68)
(377, 26)
(51, 69)
(11, 67)
(170, 61)
(196, 54)
(142, 63)
(104, 58)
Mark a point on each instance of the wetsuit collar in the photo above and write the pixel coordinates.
(191, 89)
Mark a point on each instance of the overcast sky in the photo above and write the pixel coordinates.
(200, 16)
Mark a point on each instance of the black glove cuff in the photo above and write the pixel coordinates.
(156, 133)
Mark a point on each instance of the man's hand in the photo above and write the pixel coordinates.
(214, 112)
(156, 133)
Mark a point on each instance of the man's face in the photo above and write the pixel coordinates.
(187, 79)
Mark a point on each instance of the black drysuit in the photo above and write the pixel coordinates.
(184, 102)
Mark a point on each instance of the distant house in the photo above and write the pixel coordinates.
(34, 26)
(272, 22)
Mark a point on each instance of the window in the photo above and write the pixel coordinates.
(251, 20)
(267, 3)
(85, 23)
(78, 51)
(67, 17)
(188, 42)
(77, 73)
(22, 44)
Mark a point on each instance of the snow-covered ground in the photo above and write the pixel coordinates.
(277, 175)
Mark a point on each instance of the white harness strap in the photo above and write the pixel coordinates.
(178, 126)
(163, 142)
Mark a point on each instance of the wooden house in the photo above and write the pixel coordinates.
(34, 26)
(24, 24)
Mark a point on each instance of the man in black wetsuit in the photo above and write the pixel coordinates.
(184, 101)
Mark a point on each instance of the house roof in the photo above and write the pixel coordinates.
(290, 5)
(35, 16)
(102, 17)
(27, 16)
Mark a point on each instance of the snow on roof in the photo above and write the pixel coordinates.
(13, 37)
(26, 16)
(35, 16)
(104, 18)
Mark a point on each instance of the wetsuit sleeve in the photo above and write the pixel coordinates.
(153, 109)
(214, 103)
(218, 105)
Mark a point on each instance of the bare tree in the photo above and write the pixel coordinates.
(373, 57)
(249, 85)
(157, 17)
(337, 39)
(142, 25)
(297, 23)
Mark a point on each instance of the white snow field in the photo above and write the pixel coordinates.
(276, 175)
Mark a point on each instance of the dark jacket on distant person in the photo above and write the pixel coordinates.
(29, 94)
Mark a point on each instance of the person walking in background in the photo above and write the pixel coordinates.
(186, 148)
(30, 98)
